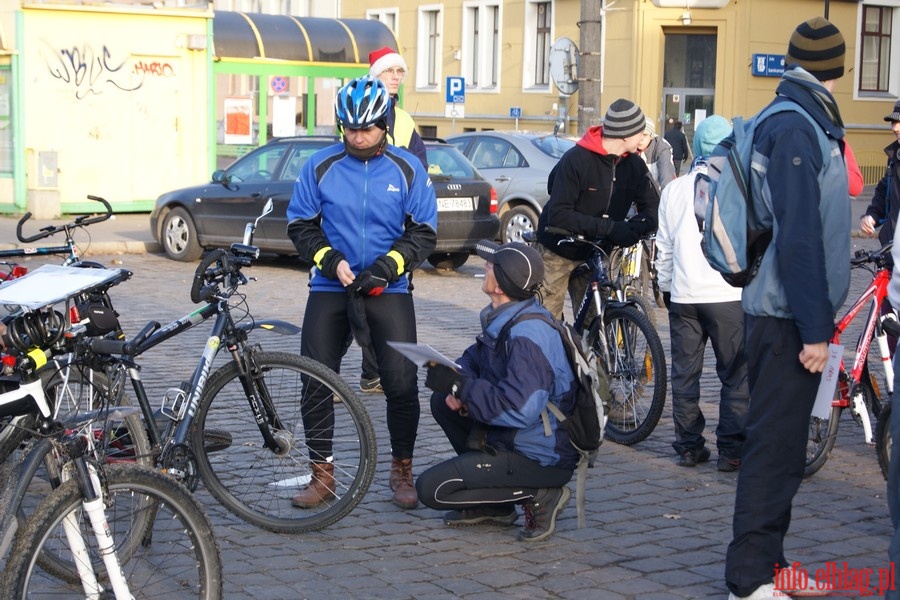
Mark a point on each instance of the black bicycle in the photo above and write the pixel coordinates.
(239, 428)
(627, 343)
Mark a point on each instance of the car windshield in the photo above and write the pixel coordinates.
(447, 161)
(553, 145)
(259, 165)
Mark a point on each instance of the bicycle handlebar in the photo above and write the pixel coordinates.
(79, 221)
(879, 257)
(128, 347)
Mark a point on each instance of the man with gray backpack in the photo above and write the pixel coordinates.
(798, 187)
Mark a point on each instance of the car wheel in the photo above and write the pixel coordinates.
(515, 222)
(448, 260)
(179, 236)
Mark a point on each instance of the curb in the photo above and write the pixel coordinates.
(100, 248)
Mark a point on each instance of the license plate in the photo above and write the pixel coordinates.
(455, 204)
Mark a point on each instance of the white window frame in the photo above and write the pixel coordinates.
(893, 90)
(480, 59)
(530, 45)
(423, 56)
(389, 16)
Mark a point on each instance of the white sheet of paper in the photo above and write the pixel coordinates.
(422, 354)
(51, 284)
(822, 407)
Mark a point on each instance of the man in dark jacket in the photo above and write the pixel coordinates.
(592, 188)
(493, 409)
(680, 149)
(790, 304)
(885, 205)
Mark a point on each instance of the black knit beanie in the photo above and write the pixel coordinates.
(623, 119)
(818, 47)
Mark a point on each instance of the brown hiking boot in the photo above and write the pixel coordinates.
(319, 489)
(402, 483)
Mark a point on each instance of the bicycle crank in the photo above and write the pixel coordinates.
(178, 461)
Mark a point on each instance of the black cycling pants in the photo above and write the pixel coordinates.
(325, 329)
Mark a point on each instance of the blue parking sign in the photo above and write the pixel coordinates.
(456, 90)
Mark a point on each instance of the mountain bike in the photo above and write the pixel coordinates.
(121, 531)
(628, 345)
(239, 428)
(866, 387)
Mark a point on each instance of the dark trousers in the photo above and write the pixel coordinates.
(893, 484)
(774, 455)
(326, 327)
(690, 327)
(477, 478)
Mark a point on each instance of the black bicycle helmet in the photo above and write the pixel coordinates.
(362, 103)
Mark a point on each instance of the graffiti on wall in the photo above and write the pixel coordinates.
(90, 71)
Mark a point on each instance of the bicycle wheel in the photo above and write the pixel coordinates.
(637, 373)
(883, 439)
(256, 483)
(822, 435)
(180, 560)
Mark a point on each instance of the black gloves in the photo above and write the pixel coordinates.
(667, 299)
(368, 284)
(604, 227)
(445, 380)
(385, 268)
(329, 264)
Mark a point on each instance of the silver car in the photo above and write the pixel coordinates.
(517, 164)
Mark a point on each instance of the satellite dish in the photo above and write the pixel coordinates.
(564, 63)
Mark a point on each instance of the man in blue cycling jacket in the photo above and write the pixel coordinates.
(365, 214)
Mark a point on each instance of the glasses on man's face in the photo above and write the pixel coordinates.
(395, 71)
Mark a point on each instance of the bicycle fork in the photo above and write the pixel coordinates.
(254, 384)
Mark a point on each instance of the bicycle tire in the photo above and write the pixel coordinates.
(182, 556)
(636, 362)
(14, 431)
(254, 482)
(641, 303)
(883, 441)
(822, 436)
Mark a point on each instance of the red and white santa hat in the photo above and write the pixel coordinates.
(383, 59)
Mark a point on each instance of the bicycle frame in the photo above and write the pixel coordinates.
(873, 297)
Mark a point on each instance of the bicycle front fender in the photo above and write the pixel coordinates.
(273, 325)
(620, 304)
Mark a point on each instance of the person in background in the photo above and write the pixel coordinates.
(491, 408)
(390, 68)
(657, 153)
(791, 303)
(702, 307)
(364, 213)
(680, 151)
(883, 209)
(592, 190)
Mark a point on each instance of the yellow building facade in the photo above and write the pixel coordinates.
(678, 59)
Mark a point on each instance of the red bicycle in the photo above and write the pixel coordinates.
(866, 388)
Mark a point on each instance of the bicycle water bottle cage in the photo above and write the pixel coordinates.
(175, 402)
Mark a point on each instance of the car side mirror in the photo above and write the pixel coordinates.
(221, 177)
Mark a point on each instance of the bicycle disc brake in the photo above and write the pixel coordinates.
(178, 461)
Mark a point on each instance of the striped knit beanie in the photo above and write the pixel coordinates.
(818, 47)
(623, 120)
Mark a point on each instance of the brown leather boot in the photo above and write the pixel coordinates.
(402, 483)
(319, 489)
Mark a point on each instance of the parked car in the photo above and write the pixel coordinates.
(517, 164)
(189, 220)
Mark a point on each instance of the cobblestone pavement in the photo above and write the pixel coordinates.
(654, 530)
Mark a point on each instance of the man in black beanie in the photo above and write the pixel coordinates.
(791, 303)
(592, 189)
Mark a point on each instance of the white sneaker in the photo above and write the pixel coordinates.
(763, 592)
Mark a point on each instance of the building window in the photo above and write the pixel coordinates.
(538, 39)
(429, 38)
(481, 45)
(875, 43)
(388, 16)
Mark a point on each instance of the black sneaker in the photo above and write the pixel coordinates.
(370, 386)
(727, 465)
(693, 457)
(505, 515)
(541, 512)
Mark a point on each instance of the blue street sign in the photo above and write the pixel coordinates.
(515, 112)
(768, 65)
(456, 90)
